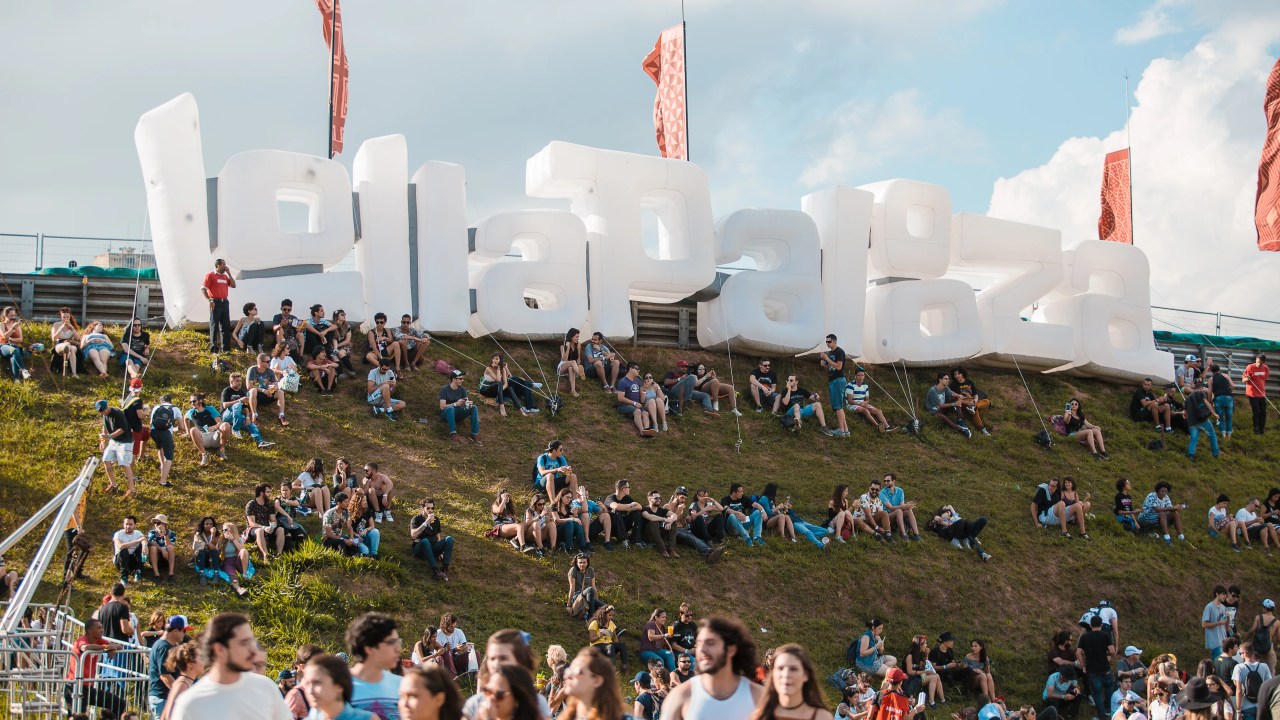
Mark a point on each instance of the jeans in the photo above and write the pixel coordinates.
(369, 543)
(708, 530)
(835, 391)
(518, 391)
(756, 519)
(668, 659)
(1258, 406)
(128, 562)
(251, 335)
(207, 560)
(1225, 406)
(1099, 686)
(1195, 431)
(688, 538)
(683, 391)
(572, 536)
(452, 414)
(157, 705)
(220, 325)
(590, 602)
(14, 353)
(234, 416)
(628, 525)
(812, 533)
(429, 550)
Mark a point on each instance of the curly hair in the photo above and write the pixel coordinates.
(368, 631)
(734, 633)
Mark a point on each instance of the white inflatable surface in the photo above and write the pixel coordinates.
(444, 304)
(381, 174)
(922, 322)
(910, 230)
(843, 215)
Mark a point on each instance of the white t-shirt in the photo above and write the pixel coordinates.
(1244, 516)
(125, 537)
(1241, 672)
(284, 364)
(252, 697)
(381, 698)
(454, 640)
(308, 481)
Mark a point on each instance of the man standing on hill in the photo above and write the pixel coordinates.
(1214, 620)
(230, 689)
(117, 444)
(726, 658)
(1200, 419)
(216, 287)
(1255, 388)
(1094, 653)
(833, 361)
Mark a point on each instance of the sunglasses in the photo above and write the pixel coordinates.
(496, 694)
(380, 322)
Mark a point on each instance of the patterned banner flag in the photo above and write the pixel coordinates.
(1116, 222)
(1266, 213)
(666, 66)
(331, 14)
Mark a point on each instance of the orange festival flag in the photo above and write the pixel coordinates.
(1116, 222)
(1266, 213)
(331, 15)
(666, 66)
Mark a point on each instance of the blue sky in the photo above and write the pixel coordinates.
(785, 98)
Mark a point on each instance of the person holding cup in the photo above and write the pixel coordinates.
(655, 640)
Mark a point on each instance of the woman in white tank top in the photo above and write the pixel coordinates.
(791, 691)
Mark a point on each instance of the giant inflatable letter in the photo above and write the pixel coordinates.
(913, 315)
(444, 304)
(1113, 327)
(552, 269)
(168, 142)
(272, 264)
(843, 217)
(777, 308)
(381, 174)
(608, 190)
(1029, 259)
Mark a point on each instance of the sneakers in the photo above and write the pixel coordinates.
(715, 405)
(713, 555)
(26, 374)
(915, 537)
(537, 386)
(375, 410)
(475, 440)
(664, 427)
(516, 544)
(387, 515)
(648, 433)
(986, 432)
(237, 434)
(736, 412)
(826, 431)
(826, 543)
(955, 543)
(890, 428)
(377, 517)
(391, 415)
(759, 409)
(966, 432)
(1159, 428)
(204, 459)
(222, 454)
(263, 444)
(712, 412)
(759, 541)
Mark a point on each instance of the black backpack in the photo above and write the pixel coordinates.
(162, 418)
(1252, 682)
(1262, 638)
(1195, 408)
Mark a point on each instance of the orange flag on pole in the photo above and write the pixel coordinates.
(1266, 213)
(665, 65)
(1116, 221)
(331, 14)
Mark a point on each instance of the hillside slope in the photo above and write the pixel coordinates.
(1036, 583)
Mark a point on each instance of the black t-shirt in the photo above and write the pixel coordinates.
(1135, 404)
(835, 357)
(685, 635)
(113, 615)
(1095, 644)
(1198, 408)
(1124, 503)
(138, 343)
(230, 394)
(941, 658)
(1044, 500)
(433, 534)
(651, 704)
(261, 513)
(624, 500)
(115, 420)
(797, 397)
(768, 379)
(1219, 384)
(130, 410)
(742, 504)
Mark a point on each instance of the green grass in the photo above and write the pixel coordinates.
(1037, 583)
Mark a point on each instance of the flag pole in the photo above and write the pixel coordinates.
(684, 62)
(333, 53)
(1128, 138)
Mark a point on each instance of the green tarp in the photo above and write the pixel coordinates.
(95, 271)
(1226, 343)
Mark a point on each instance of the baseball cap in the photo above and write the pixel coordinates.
(1269, 604)
(284, 675)
(682, 363)
(1104, 603)
(100, 405)
(1191, 358)
(896, 675)
(457, 374)
(178, 622)
(644, 678)
(135, 384)
(682, 490)
(1131, 650)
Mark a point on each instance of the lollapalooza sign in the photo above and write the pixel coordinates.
(868, 264)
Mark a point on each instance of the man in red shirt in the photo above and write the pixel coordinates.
(215, 287)
(84, 667)
(893, 704)
(1255, 387)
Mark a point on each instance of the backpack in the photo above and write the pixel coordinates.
(1059, 424)
(162, 418)
(1262, 638)
(851, 653)
(1252, 682)
(1195, 408)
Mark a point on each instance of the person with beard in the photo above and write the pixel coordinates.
(726, 658)
(230, 689)
(791, 690)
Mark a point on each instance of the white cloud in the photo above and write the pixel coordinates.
(1154, 22)
(865, 134)
(1197, 132)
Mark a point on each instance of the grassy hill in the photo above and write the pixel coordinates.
(1036, 583)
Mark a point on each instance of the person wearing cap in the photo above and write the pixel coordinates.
(160, 679)
(679, 386)
(600, 361)
(1094, 652)
(286, 681)
(1062, 692)
(162, 544)
(942, 657)
(647, 705)
(205, 428)
(1265, 633)
(232, 401)
(380, 387)
(642, 411)
(136, 413)
(553, 472)
(455, 406)
(116, 440)
(1130, 667)
(264, 386)
(1186, 375)
(1201, 418)
(678, 507)
(1254, 378)
(1127, 704)
(893, 703)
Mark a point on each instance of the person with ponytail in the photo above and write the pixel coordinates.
(592, 689)
(791, 690)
